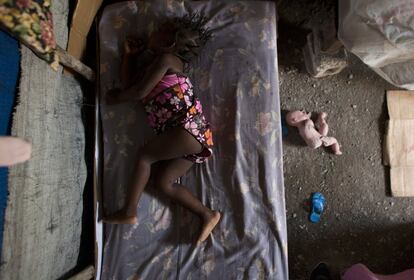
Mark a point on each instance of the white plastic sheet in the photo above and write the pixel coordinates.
(381, 34)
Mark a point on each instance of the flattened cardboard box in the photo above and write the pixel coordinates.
(399, 142)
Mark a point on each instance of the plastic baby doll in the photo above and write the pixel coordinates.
(314, 137)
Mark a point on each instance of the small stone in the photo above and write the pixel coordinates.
(314, 85)
(354, 106)
(294, 215)
(348, 82)
(350, 76)
(392, 203)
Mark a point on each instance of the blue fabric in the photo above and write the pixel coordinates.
(9, 70)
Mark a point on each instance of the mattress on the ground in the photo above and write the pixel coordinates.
(237, 81)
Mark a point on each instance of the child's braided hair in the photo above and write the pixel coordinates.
(191, 35)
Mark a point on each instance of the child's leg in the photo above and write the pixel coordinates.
(172, 144)
(169, 171)
(322, 125)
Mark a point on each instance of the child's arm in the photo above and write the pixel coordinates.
(153, 75)
(131, 49)
(125, 70)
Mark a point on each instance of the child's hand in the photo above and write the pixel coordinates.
(132, 46)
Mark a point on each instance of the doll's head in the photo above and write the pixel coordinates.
(294, 118)
(184, 36)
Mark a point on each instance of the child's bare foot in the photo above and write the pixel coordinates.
(210, 221)
(120, 217)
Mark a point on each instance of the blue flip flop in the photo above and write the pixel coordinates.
(317, 207)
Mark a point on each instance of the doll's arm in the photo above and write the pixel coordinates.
(298, 119)
(322, 125)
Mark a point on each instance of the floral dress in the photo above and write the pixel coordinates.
(172, 103)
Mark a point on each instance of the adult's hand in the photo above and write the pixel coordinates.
(14, 150)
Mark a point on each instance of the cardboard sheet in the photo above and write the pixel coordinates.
(399, 142)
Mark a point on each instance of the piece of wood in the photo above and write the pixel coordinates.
(83, 16)
(399, 142)
(86, 274)
(330, 43)
(75, 64)
(320, 64)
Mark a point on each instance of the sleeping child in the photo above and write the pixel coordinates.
(184, 136)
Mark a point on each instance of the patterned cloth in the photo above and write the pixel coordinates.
(177, 106)
(31, 22)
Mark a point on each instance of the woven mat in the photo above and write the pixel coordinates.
(44, 212)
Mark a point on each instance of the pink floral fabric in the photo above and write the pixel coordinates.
(176, 106)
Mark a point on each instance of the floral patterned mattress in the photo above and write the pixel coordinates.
(236, 78)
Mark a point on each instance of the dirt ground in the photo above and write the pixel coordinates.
(362, 222)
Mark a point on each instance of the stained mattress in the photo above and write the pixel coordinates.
(236, 79)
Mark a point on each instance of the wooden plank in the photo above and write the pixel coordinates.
(86, 274)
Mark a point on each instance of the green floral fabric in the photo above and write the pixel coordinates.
(31, 22)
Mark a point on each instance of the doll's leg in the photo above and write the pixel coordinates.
(321, 124)
(333, 143)
(174, 143)
(168, 172)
